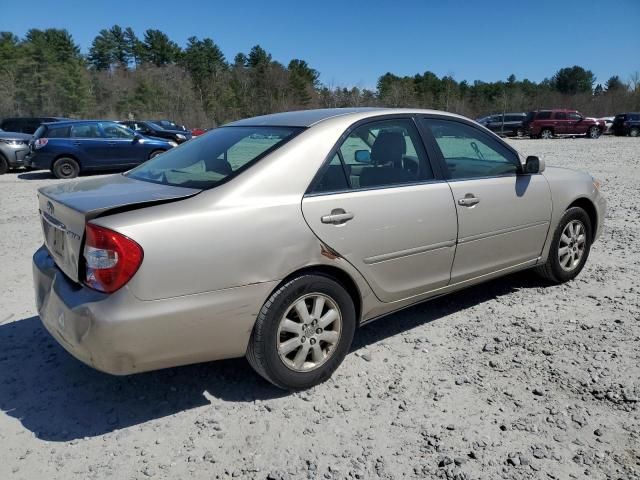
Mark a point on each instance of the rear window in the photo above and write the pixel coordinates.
(634, 117)
(211, 159)
(543, 116)
(39, 132)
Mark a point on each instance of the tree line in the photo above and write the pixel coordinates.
(126, 76)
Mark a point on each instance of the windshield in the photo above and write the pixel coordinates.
(213, 158)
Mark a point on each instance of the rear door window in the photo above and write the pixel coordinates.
(85, 130)
(58, 132)
(560, 115)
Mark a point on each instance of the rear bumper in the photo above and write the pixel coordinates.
(120, 334)
(37, 161)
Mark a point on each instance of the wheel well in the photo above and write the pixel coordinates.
(342, 277)
(156, 150)
(64, 155)
(588, 207)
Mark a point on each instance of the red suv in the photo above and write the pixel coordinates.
(555, 123)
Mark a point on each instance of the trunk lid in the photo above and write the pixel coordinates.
(66, 208)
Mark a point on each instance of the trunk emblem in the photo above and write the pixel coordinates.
(50, 208)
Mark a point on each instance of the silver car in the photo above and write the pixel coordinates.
(13, 150)
(275, 237)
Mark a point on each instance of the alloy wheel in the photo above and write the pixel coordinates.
(572, 245)
(309, 332)
(546, 134)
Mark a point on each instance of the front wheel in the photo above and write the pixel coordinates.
(4, 165)
(155, 153)
(520, 132)
(570, 247)
(65, 168)
(303, 332)
(594, 132)
(634, 132)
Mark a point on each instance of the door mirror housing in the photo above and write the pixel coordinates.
(137, 137)
(534, 165)
(362, 156)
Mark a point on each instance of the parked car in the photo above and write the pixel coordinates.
(170, 125)
(13, 149)
(607, 124)
(512, 125)
(231, 245)
(627, 124)
(151, 129)
(560, 122)
(198, 131)
(26, 124)
(68, 148)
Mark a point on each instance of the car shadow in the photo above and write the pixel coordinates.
(40, 175)
(60, 399)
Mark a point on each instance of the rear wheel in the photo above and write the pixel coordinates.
(4, 165)
(65, 168)
(570, 247)
(594, 132)
(546, 134)
(634, 132)
(155, 153)
(303, 332)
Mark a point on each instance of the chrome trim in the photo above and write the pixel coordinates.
(408, 252)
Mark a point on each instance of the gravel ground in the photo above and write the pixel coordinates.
(513, 379)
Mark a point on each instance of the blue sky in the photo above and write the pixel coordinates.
(353, 43)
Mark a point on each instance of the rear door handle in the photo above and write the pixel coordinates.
(337, 217)
(469, 200)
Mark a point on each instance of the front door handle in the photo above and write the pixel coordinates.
(469, 200)
(337, 217)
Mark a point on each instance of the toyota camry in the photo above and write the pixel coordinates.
(276, 237)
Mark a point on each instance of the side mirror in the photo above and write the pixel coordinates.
(137, 137)
(533, 165)
(362, 156)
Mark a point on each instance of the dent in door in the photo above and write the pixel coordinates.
(402, 240)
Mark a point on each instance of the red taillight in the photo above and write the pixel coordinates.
(40, 142)
(111, 258)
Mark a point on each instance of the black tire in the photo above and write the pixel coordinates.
(4, 165)
(594, 132)
(546, 133)
(552, 270)
(519, 132)
(155, 153)
(634, 132)
(65, 168)
(262, 352)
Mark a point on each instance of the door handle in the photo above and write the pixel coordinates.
(337, 217)
(469, 200)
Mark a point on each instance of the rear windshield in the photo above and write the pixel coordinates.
(213, 158)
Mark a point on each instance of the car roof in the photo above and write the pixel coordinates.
(308, 118)
(71, 122)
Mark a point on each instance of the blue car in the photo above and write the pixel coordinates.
(70, 147)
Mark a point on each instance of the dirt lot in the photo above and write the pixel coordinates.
(512, 379)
